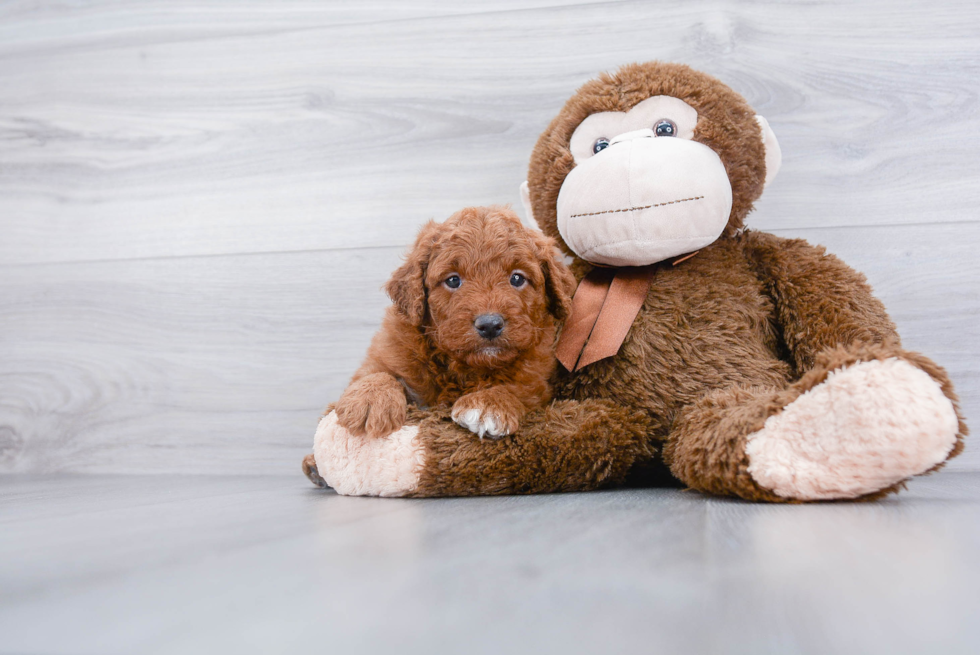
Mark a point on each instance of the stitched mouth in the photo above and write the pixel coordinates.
(630, 209)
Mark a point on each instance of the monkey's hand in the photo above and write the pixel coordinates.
(494, 412)
(374, 406)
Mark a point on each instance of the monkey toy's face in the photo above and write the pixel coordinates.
(642, 189)
(648, 164)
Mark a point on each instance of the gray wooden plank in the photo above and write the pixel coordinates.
(199, 564)
(165, 129)
(222, 364)
(189, 364)
(926, 276)
(102, 22)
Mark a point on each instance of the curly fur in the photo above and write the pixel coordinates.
(428, 351)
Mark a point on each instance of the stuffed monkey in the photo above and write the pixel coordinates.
(749, 365)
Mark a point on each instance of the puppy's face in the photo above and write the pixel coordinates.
(486, 296)
(490, 288)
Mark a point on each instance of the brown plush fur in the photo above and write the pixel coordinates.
(707, 444)
(565, 446)
(724, 340)
(428, 350)
(703, 367)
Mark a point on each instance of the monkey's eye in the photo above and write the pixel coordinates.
(600, 144)
(453, 281)
(665, 128)
(517, 280)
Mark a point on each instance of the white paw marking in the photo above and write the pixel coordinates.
(863, 429)
(488, 425)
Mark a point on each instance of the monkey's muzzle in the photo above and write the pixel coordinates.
(644, 199)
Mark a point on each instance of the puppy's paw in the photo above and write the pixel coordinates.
(374, 406)
(490, 413)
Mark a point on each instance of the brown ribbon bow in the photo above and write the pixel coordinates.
(603, 310)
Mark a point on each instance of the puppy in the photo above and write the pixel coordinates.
(472, 325)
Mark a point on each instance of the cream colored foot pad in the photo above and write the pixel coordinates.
(366, 466)
(864, 428)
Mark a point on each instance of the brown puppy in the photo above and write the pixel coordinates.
(472, 326)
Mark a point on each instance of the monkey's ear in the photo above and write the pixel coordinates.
(526, 201)
(559, 283)
(406, 288)
(774, 156)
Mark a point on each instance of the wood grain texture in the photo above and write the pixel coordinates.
(199, 201)
(223, 364)
(197, 564)
(156, 133)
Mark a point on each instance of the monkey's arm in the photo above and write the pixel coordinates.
(820, 301)
(566, 446)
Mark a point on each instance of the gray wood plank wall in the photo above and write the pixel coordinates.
(199, 201)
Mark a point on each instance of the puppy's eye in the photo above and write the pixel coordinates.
(665, 128)
(600, 144)
(453, 281)
(517, 280)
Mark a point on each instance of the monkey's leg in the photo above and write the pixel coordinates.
(567, 446)
(862, 421)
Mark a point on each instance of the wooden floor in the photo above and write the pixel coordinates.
(199, 203)
(166, 564)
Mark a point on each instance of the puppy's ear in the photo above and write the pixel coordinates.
(559, 283)
(406, 288)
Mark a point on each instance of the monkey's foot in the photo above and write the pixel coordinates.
(863, 429)
(365, 466)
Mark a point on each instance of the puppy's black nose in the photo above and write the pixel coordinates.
(489, 325)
